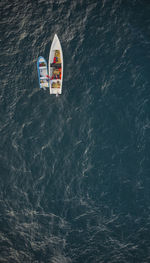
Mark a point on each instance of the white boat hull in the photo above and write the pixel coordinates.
(55, 67)
(42, 72)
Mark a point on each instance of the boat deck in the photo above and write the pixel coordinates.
(57, 55)
(56, 70)
(44, 84)
(56, 85)
(42, 72)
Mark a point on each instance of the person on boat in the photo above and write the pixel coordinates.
(48, 76)
(54, 60)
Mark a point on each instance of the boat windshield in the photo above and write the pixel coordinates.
(55, 65)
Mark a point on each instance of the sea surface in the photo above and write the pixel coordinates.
(75, 169)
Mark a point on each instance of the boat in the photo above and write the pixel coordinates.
(55, 67)
(42, 73)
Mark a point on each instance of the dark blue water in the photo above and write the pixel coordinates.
(75, 170)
